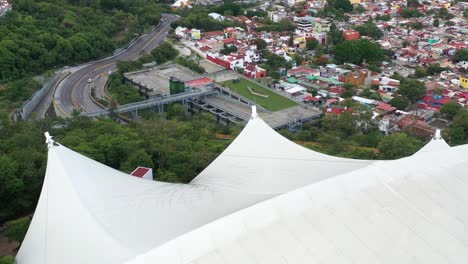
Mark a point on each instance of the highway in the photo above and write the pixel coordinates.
(74, 92)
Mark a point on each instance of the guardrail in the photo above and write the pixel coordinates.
(29, 105)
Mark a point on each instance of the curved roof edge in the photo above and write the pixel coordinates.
(406, 210)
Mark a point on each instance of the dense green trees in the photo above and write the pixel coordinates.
(343, 5)
(335, 36)
(412, 89)
(369, 29)
(198, 18)
(274, 63)
(121, 92)
(356, 51)
(282, 26)
(435, 68)
(444, 14)
(7, 260)
(450, 110)
(460, 55)
(458, 131)
(15, 230)
(22, 166)
(400, 102)
(261, 43)
(38, 35)
(164, 52)
(408, 13)
(15, 92)
(353, 135)
(311, 43)
(178, 150)
(128, 66)
(397, 145)
(227, 49)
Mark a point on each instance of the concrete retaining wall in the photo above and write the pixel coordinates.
(28, 106)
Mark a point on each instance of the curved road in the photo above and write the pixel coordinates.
(75, 92)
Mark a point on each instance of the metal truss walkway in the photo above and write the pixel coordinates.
(157, 102)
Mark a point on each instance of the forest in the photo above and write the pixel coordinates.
(46, 34)
(180, 149)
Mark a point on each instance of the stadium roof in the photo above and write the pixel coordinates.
(411, 210)
(90, 213)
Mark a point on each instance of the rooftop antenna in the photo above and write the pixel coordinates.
(254, 112)
(49, 141)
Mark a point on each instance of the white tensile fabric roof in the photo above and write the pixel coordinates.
(411, 210)
(90, 213)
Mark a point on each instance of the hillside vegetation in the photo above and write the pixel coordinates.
(43, 34)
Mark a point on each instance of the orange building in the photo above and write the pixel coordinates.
(356, 78)
(351, 34)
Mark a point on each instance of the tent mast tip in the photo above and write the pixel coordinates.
(49, 141)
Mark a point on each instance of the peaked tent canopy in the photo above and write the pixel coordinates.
(262, 161)
(411, 210)
(90, 213)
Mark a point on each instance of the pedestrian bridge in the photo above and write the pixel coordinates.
(155, 102)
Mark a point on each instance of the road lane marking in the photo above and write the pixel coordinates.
(73, 93)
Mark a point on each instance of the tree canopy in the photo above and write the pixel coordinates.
(164, 52)
(356, 51)
(311, 43)
(460, 55)
(400, 102)
(7, 260)
(335, 36)
(409, 13)
(397, 145)
(369, 29)
(274, 63)
(15, 230)
(458, 130)
(450, 110)
(43, 34)
(343, 5)
(180, 149)
(412, 3)
(261, 43)
(412, 89)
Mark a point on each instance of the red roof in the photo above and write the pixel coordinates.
(140, 172)
(310, 98)
(212, 33)
(200, 82)
(336, 111)
(229, 40)
(445, 100)
(302, 70)
(386, 107)
(205, 48)
(337, 90)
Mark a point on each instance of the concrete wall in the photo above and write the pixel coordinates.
(26, 109)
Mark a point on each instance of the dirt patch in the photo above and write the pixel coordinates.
(7, 248)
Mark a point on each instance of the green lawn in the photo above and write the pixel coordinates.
(274, 102)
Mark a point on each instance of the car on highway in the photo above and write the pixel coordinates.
(90, 80)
